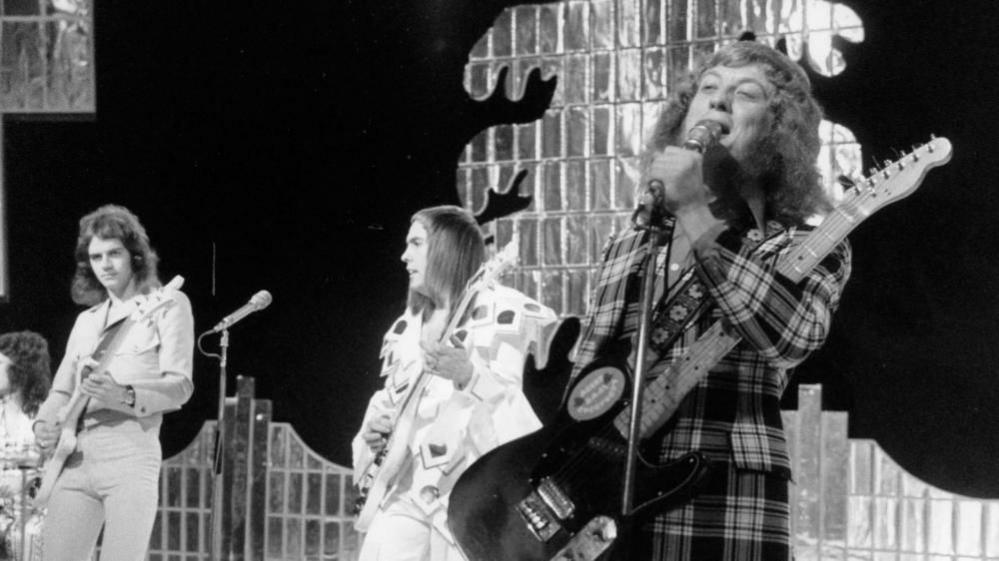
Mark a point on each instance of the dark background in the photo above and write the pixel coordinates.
(295, 143)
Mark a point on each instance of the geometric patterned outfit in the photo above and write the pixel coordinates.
(453, 427)
(732, 416)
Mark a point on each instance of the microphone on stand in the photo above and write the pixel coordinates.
(257, 302)
(650, 207)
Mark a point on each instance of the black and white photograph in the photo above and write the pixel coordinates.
(456, 280)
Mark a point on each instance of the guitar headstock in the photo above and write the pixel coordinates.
(899, 179)
(504, 260)
(158, 299)
(485, 276)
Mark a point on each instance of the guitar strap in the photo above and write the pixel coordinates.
(678, 309)
(675, 312)
(107, 337)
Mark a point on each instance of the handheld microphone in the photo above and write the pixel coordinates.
(257, 302)
(702, 135)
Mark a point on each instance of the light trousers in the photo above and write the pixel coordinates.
(401, 532)
(112, 480)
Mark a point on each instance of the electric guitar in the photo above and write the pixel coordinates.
(380, 473)
(69, 415)
(554, 494)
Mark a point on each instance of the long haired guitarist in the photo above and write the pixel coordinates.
(121, 374)
(738, 208)
(452, 365)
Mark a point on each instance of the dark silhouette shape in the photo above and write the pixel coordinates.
(500, 204)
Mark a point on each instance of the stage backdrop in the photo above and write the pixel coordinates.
(285, 148)
(46, 71)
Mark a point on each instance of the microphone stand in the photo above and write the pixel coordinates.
(218, 491)
(657, 238)
(660, 226)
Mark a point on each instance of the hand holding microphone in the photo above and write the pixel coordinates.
(676, 176)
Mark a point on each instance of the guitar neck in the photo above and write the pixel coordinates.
(457, 313)
(422, 379)
(662, 396)
(817, 245)
(74, 409)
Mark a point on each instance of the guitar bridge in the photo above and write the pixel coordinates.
(545, 508)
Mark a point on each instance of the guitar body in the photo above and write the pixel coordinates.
(381, 473)
(55, 465)
(492, 504)
(544, 388)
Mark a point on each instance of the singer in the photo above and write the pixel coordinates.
(734, 220)
(111, 479)
(472, 401)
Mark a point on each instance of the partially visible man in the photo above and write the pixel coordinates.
(738, 208)
(472, 401)
(25, 377)
(111, 479)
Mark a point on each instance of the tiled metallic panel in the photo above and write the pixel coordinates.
(851, 501)
(308, 503)
(183, 522)
(47, 56)
(615, 61)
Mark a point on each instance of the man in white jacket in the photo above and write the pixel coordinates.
(470, 401)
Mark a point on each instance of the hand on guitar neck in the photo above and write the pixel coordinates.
(377, 432)
(448, 362)
(443, 360)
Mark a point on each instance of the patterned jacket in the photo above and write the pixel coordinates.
(733, 414)
(455, 427)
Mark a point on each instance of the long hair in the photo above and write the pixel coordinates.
(784, 159)
(113, 222)
(455, 251)
(30, 370)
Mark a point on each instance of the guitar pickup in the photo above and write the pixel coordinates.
(545, 508)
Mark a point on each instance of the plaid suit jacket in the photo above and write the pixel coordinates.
(733, 415)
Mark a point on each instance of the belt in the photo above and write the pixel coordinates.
(93, 419)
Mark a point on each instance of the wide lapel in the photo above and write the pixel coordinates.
(620, 267)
